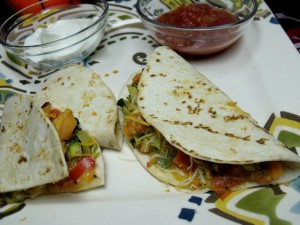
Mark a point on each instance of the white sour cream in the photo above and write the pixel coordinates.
(56, 31)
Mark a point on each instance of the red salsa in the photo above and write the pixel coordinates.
(197, 15)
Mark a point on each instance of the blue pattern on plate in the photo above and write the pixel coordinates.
(296, 208)
(187, 214)
(196, 200)
(295, 184)
(274, 20)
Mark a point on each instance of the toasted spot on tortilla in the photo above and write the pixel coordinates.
(174, 142)
(22, 159)
(234, 117)
(246, 138)
(262, 141)
(41, 153)
(60, 162)
(87, 97)
(3, 129)
(212, 112)
(31, 105)
(91, 83)
(177, 122)
(207, 128)
(17, 148)
(45, 171)
(233, 150)
(193, 110)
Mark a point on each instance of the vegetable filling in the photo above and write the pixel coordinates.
(189, 172)
(80, 150)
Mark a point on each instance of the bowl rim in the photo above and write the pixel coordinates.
(219, 27)
(3, 42)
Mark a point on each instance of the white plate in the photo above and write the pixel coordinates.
(261, 72)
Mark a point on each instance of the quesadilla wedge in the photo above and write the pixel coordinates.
(186, 132)
(43, 150)
(82, 90)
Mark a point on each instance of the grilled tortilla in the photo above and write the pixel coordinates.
(38, 154)
(188, 133)
(30, 150)
(90, 99)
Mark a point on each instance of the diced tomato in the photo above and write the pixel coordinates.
(54, 113)
(221, 184)
(182, 160)
(50, 112)
(149, 164)
(84, 164)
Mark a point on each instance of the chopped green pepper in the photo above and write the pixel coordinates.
(74, 150)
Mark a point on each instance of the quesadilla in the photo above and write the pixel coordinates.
(186, 132)
(82, 90)
(43, 150)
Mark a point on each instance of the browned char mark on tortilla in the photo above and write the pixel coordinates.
(176, 122)
(262, 141)
(207, 128)
(158, 75)
(234, 118)
(246, 138)
(22, 159)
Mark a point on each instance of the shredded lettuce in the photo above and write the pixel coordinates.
(150, 141)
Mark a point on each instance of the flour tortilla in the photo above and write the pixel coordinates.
(199, 119)
(30, 149)
(31, 153)
(92, 102)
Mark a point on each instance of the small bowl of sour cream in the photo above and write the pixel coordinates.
(51, 34)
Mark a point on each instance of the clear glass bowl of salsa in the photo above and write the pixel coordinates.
(200, 28)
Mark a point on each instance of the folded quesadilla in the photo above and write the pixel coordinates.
(186, 132)
(81, 90)
(43, 150)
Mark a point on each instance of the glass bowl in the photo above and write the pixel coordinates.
(50, 34)
(196, 40)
